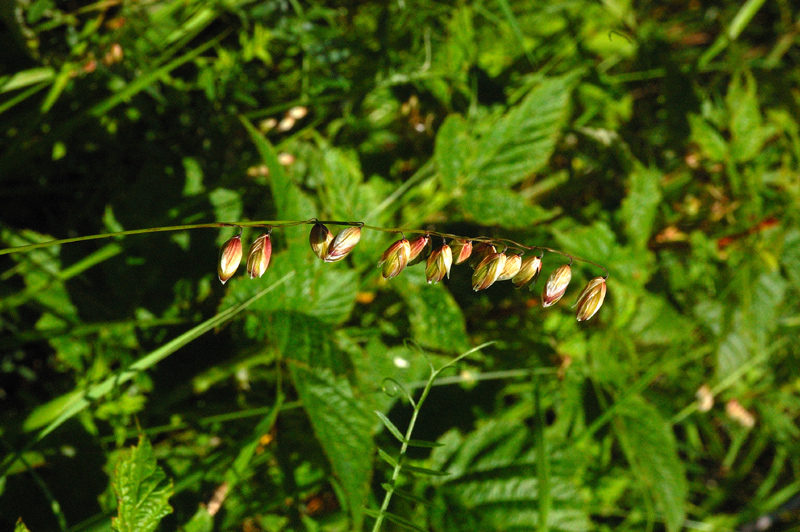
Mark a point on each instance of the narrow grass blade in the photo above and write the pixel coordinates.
(406, 495)
(79, 401)
(394, 519)
(423, 443)
(387, 458)
(389, 425)
(425, 471)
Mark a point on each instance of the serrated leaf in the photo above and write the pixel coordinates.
(389, 425)
(523, 140)
(651, 450)
(142, 490)
(453, 151)
(639, 208)
(436, 319)
(503, 207)
(494, 483)
(342, 426)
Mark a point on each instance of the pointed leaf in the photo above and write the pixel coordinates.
(389, 425)
(142, 490)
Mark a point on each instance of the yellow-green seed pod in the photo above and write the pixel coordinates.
(528, 271)
(230, 256)
(343, 243)
(556, 285)
(511, 267)
(488, 270)
(479, 252)
(439, 263)
(462, 249)
(320, 239)
(259, 255)
(591, 299)
(420, 249)
(395, 259)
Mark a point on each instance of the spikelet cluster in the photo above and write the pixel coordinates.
(489, 265)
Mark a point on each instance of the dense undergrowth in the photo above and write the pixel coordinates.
(660, 140)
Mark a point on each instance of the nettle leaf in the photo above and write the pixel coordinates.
(323, 291)
(639, 208)
(651, 450)
(436, 319)
(523, 140)
(343, 427)
(506, 208)
(142, 490)
(453, 151)
(341, 420)
(492, 483)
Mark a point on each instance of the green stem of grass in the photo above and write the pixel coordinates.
(292, 223)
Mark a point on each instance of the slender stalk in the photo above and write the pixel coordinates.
(293, 223)
(407, 437)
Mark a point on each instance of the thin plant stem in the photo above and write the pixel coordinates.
(409, 431)
(293, 223)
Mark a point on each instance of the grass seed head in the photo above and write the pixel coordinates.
(230, 256)
(439, 263)
(462, 249)
(488, 270)
(343, 243)
(591, 298)
(395, 259)
(556, 285)
(320, 239)
(511, 267)
(528, 272)
(259, 255)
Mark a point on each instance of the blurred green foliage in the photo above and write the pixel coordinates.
(660, 140)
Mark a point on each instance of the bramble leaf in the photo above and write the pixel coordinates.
(142, 490)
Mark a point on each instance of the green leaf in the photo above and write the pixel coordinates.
(341, 422)
(404, 494)
(639, 208)
(506, 208)
(201, 521)
(20, 526)
(322, 291)
(493, 482)
(453, 151)
(651, 450)
(389, 425)
(523, 140)
(142, 490)
(389, 459)
(746, 124)
(708, 139)
(394, 519)
(74, 402)
(26, 78)
(342, 427)
(436, 319)
(424, 444)
(425, 471)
